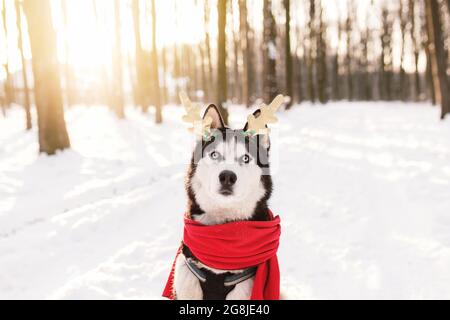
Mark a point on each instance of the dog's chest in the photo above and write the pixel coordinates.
(188, 287)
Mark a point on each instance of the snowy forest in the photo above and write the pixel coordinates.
(90, 132)
(317, 51)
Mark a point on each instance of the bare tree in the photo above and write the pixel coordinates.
(245, 47)
(203, 67)
(164, 91)
(438, 56)
(176, 71)
(70, 89)
(9, 89)
(322, 76)
(403, 25)
(26, 91)
(47, 87)
(236, 80)
(210, 73)
(222, 58)
(416, 44)
(269, 53)
(141, 78)
(425, 43)
(311, 52)
(336, 83)
(118, 99)
(386, 54)
(349, 58)
(155, 78)
(366, 82)
(299, 64)
(288, 53)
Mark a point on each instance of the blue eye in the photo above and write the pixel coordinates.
(245, 159)
(214, 155)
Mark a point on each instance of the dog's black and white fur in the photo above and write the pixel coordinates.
(228, 180)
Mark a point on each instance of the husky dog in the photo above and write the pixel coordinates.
(228, 180)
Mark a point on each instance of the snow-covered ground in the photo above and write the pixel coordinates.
(363, 191)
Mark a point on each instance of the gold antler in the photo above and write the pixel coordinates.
(200, 126)
(257, 125)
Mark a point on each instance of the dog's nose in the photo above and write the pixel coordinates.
(227, 178)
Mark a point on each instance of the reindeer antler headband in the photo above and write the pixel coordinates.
(256, 125)
(200, 127)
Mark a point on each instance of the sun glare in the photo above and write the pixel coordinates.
(88, 34)
(87, 42)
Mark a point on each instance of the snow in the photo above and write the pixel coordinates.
(362, 189)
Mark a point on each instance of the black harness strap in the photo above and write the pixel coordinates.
(231, 280)
(215, 286)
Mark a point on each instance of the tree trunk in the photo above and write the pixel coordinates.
(252, 68)
(243, 28)
(322, 77)
(203, 66)
(26, 91)
(365, 40)
(118, 99)
(155, 78)
(269, 53)
(402, 86)
(415, 42)
(165, 94)
(70, 88)
(186, 68)
(348, 30)
(367, 80)
(298, 66)
(9, 89)
(130, 67)
(193, 74)
(312, 49)
(336, 68)
(237, 85)
(431, 91)
(438, 56)
(47, 87)
(222, 58)
(429, 77)
(386, 55)
(139, 58)
(288, 57)
(210, 73)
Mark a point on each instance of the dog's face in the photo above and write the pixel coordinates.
(229, 172)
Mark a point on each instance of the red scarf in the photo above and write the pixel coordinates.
(237, 245)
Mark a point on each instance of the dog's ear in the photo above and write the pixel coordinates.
(217, 120)
(264, 139)
(256, 114)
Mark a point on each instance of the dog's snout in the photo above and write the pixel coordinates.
(227, 178)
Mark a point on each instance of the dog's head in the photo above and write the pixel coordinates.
(229, 175)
